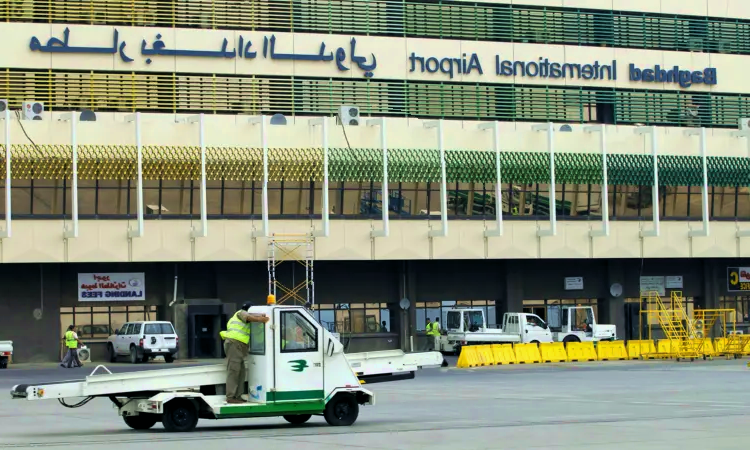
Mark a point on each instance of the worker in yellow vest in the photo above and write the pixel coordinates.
(433, 333)
(71, 343)
(236, 347)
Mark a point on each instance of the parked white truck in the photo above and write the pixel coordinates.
(578, 324)
(467, 326)
(6, 351)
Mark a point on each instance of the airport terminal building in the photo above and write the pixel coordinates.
(385, 160)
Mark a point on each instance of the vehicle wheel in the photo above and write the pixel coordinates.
(112, 354)
(180, 416)
(341, 411)
(571, 339)
(168, 358)
(133, 355)
(297, 419)
(4, 363)
(141, 421)
(534, 342)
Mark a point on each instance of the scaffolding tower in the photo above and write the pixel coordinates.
(678, 328)
(294, 248)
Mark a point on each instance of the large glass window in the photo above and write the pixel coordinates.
(433, 310)
(357, 318)
(99, 322)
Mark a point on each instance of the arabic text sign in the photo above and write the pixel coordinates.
(650, 284)
(738, 279)
(573, 283)
(243, 49)
(103, 287)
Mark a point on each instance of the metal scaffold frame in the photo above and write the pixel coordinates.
(299, 248)
(688, 336)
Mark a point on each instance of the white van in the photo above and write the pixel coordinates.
(141, 341)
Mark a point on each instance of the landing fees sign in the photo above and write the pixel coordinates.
(738, 279)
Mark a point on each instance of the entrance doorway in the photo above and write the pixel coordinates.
(204, 324)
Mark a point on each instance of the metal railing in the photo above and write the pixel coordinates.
(178, 93)
(425, 18)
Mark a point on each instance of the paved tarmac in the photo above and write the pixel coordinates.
(617, 405)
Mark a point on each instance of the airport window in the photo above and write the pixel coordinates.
(257, 338)
(482, 21)
(354, 318)
(297, 334)
(432, 310)
(58, 89)
(99, 322)
(539, 307)
(741, 306)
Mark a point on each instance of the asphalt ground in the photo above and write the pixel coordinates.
(618, 405)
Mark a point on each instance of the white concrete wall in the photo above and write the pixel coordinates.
(36, 241)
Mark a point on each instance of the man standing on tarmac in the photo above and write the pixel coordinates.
(71, 343)
(433, 332)
(236, 345)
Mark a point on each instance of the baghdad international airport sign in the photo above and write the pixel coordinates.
(255, 46)
(105, 287)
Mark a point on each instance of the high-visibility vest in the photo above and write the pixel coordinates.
(238, 330)
(431, 330)
(70, 340)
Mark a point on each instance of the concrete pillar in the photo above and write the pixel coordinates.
(612, 309)
(407, 288)
(513, 301)
(710, 298)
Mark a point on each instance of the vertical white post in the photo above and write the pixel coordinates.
(263, 232)
(443, 231)
(7, 231)
(384, 188)
(552, 231)
(604, 232)
(323, 122)
(746, 135)
(138, 232)
(654, 232)
(203, 231)
(704, 188)
(498, 231)
(73, 232)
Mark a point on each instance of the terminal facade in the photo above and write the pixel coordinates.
(501, 155)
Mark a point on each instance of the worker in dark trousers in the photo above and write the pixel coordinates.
(236, 345)
(71, 343)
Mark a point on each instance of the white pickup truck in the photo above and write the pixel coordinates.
(578, 324)
(466, 326)
(6, 351)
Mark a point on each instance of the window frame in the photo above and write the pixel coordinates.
(282, 331)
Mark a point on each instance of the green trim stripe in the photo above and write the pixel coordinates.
(271, 409)
(287, 396)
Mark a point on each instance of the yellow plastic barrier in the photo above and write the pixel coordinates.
(611, 351)
(485, 355)
(468, 357)
(708, 347)
(637, 349)
(580, 351)
(553, 352)
(503, 354)
(527, 353)
(664, 347)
